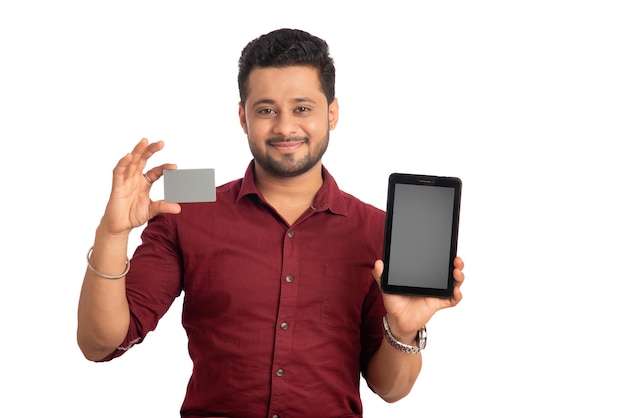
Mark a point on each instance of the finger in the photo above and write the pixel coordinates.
(148, 179)
(141, 153)
(155, 173)
(152, 149)
(122, 165)
(161, 206)
(459, 263)
(130, 158)
(458, 275)
(456, 295)
(138, 150)
(131, 161)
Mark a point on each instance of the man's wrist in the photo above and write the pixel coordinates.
(405, 337)
(418, 342)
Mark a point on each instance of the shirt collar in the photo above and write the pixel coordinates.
(329, 197)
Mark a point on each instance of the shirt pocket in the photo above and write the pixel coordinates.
(345, 289)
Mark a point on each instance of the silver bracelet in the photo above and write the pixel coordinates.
(106, 276)
(420, 338)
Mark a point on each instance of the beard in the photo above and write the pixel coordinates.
(288, 165)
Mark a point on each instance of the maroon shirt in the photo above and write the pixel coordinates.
(281, 319)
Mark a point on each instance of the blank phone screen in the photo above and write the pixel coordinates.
(421, 235)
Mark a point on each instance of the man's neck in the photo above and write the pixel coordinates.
(290, 196)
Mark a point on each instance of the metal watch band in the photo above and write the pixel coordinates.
(420, 338)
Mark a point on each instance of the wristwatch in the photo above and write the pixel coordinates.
(420, 339)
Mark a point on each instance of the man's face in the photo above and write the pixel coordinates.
(287, 119)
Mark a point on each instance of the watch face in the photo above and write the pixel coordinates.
(421, 338)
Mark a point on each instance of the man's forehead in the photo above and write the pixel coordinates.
(301, 82)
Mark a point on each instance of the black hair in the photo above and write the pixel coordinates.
(284, 48)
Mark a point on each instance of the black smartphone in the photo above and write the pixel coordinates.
(421, 234)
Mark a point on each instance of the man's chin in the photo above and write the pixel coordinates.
(286, 169)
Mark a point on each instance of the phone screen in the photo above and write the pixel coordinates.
(421, 235)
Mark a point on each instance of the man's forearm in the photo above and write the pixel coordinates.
(103, 313)
(391, 373)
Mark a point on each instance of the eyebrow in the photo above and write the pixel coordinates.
(297, 100)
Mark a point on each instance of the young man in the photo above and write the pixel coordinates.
(281, 309)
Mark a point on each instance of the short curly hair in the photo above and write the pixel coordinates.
(284, 48)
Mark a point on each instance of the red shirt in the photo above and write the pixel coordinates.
(281, 319)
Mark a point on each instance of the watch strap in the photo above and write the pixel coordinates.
(420, 339)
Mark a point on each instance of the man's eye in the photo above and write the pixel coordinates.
(302, 109)
(266, 111)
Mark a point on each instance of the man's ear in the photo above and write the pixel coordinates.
(333, 114)
(242, 119)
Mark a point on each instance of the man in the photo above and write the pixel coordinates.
(280, 308)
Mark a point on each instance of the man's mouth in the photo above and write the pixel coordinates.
(287, 146)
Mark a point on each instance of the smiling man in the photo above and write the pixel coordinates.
(282, 306)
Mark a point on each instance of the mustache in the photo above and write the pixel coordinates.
(278, 140)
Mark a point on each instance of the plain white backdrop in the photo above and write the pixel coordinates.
(525, 101)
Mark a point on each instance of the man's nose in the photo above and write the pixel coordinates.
(286, 125)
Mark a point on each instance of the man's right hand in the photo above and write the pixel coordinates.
(129, 204)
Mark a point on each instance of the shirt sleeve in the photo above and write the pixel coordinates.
(371, 326)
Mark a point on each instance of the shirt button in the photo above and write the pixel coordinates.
(280, 372)
(283, 326)
(289, 278)
(275, 416)
(290, 234)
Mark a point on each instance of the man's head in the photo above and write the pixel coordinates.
(288, 104)
(284, 48)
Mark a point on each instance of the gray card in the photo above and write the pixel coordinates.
(190, 185)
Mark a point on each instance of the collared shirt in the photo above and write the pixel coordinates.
(281, 319)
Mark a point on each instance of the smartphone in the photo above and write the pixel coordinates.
(189, 185)
(421, 234)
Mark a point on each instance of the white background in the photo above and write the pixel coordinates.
(524, 100)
